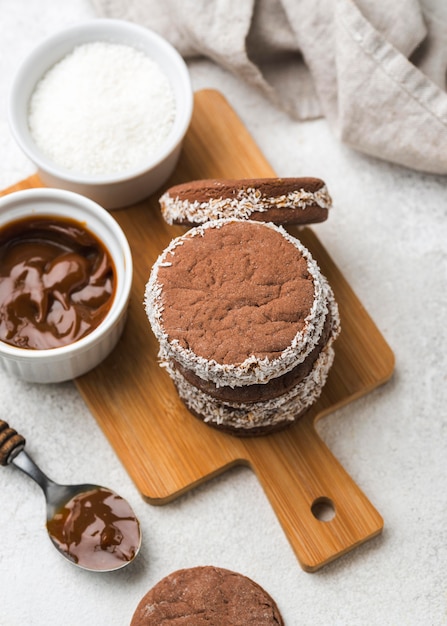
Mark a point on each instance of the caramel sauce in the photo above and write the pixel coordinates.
(57, 282)
(97, 530)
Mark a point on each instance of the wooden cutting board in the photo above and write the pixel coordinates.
(167, 451)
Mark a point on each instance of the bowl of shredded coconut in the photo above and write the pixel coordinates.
(102, 108)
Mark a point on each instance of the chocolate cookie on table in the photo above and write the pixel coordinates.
(245, 322)
(204, 596)
(279, 200)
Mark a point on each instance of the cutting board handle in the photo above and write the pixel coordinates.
(322, 511)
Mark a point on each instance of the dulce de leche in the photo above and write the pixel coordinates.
(57, 282)
(97, 530)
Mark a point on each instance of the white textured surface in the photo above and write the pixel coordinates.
(388, 234)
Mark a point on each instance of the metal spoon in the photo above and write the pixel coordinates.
(91, 526)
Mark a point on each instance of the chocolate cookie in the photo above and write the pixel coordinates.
(278, 200)
(206, 596)
(245, 322)
(260, 392)
(256, 418)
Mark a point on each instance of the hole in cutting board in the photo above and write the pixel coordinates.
(323, 509)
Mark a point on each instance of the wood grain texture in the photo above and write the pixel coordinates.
(167, 451)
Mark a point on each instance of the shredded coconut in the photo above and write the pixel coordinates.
(103, 109)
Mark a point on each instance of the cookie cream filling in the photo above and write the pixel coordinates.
(241, 206)
(285, 408)
(252, 370)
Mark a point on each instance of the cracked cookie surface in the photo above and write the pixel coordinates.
(207, 596)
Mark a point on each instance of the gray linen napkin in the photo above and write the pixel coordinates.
(376, 70)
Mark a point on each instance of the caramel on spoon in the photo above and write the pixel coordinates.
(91, 526)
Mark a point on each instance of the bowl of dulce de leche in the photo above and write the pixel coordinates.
(65, 280)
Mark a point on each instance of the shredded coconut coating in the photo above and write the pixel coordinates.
(285, 408)
(242, 206)
(252, 370)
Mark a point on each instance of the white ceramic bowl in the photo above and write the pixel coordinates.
(73, 360)
(112, 191)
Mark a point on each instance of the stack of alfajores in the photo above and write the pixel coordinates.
(245, 321)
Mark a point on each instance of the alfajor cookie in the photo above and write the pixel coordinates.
(204, 596)
(245, 322)
(278, 200)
